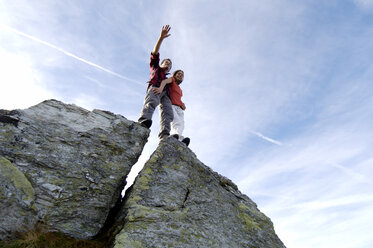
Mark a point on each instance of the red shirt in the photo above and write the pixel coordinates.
(176, 93)
(157, 74)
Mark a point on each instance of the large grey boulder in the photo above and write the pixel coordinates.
(63, 166)
(177, 201)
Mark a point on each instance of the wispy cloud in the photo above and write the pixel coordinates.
(70, 54)
(353, 174)
(87, 101)
(322, 175)
(267, 138)
(321, 204)
(365, 4)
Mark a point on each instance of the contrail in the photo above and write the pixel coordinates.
(351, 173)
(267, 139)
(70, 54)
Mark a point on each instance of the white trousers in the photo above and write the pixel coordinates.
(177, 125)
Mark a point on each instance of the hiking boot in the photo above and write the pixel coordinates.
(146, 123)
(176, 136)
(186, 141)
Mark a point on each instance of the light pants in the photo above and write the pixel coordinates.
(165, 110)
(177, 125)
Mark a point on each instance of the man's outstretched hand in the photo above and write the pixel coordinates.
(164, 34)
(165, 30)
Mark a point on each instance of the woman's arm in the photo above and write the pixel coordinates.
(163, 84)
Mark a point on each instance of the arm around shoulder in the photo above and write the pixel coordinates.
(163, 84)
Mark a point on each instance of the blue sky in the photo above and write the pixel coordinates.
(279, 93)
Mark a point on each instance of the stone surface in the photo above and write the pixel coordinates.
(176, 201)
(17, 199)
(64, 166)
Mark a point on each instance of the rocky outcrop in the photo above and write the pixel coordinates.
(177, 201)
(63, 166)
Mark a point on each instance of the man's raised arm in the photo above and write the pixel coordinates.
(164, 34)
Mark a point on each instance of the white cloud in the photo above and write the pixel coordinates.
(21, 86)
(364, 4)
(313, 187)
(88, 102)
(353, 174)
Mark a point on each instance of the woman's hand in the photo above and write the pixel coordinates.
(157, 91)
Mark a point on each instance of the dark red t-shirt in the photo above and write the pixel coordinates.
(157, 74)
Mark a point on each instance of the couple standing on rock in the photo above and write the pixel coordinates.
(165, 92)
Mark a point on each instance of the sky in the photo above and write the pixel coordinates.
(278, 93)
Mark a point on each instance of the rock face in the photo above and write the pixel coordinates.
(64, 166)
(176, 201)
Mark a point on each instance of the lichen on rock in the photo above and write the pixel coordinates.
(17, 196)
(69, 163)
(177, 201)
(24, 188)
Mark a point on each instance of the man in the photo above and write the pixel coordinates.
(152, 100)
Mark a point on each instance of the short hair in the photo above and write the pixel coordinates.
(168, 60)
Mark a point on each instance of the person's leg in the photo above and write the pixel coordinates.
(166, 115)
(151, 101)
(177, 125)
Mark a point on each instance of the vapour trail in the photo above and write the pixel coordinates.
(352, 174)
(267, 138)
(70, 54)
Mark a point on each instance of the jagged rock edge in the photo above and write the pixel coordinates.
(11, 117)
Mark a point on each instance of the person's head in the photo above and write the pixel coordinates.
(166, 64)
(179, 76)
